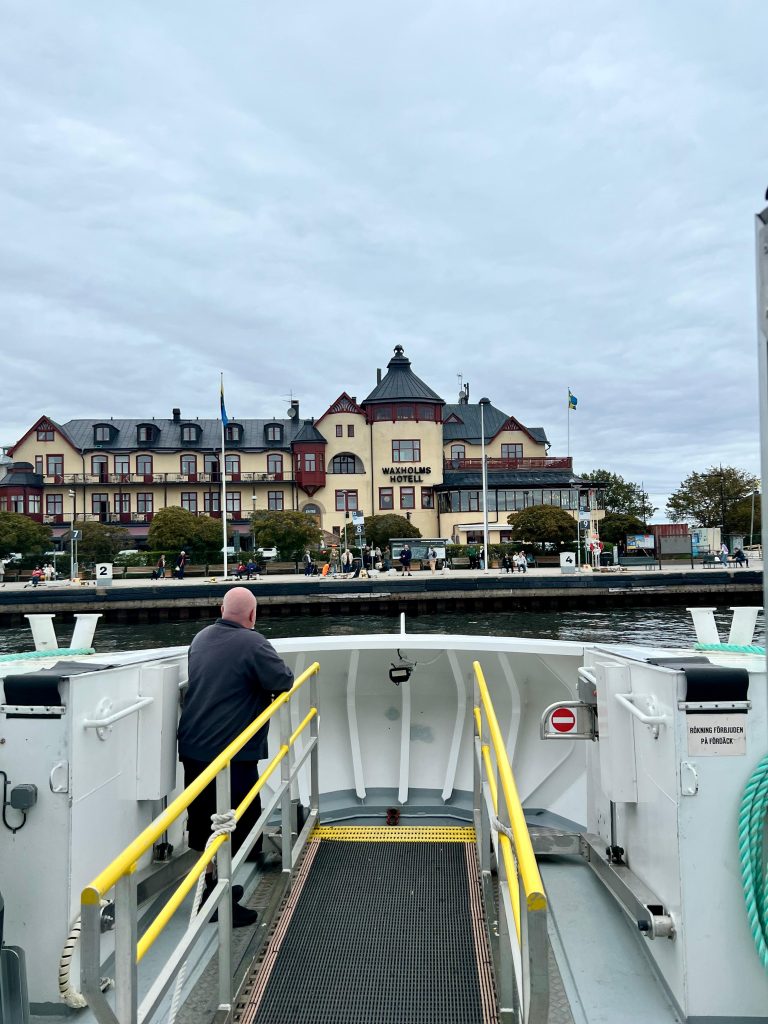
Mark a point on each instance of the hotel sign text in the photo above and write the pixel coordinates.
(406, 474)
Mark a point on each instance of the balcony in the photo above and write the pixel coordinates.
(476, 465)
(125, 479)
(131, 518)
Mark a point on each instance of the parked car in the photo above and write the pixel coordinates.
(266, 553)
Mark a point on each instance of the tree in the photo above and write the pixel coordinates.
(541, 523)
(177, 529)
(616, 526)
(21, 534)
(290, 532)
(620, 495)
(713, 498)
(100, 542)
(379, 530)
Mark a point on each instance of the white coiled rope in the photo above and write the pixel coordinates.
(67, 992)
(221, 824)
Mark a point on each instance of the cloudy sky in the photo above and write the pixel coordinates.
(535, 196)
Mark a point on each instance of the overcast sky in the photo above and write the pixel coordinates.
(535, 196)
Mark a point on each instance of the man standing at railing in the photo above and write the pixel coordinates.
(233, 674)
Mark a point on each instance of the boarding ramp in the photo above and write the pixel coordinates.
(431, 924)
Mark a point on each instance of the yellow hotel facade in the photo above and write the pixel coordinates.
(401, 450)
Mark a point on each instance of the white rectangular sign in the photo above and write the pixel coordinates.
(718, 735)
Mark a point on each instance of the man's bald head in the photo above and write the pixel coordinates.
(239, 605)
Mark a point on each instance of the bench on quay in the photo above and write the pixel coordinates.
(713, 561)
(635, 562)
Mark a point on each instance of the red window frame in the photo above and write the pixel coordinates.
(54, 504)
(415, 455)
(351, 500)
(189, 500)
(408, 494)
(386, 498)
(52, 461)
(275, 501)
(427, 497)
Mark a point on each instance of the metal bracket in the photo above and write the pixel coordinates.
(689, 779)
(584, 717)
(714, 705)
(649, 717)
(38, 710)
(103, 725)
(642, 905)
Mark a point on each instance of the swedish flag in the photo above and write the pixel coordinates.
(224, 417)
(572, 400)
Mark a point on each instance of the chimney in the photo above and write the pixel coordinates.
(378, 375)
(177, 415)
(295, 405)
(464, 395)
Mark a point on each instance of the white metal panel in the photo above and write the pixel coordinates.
(618, 776)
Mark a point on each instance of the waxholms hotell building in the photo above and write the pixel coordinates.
(402, 449)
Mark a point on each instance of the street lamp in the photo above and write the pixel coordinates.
(484, 402)
(72, 561)
(253, 528)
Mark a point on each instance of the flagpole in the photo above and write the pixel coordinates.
(223, 482)
(568, 414)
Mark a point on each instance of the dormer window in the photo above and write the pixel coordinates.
(45, 431)
(146, 433)
(190, 433)
(103, 433)
(233, 433)
(273, 433)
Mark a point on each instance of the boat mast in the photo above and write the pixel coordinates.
(761, 238)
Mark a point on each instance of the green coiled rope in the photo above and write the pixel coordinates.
(735, 648)
(754, 873)
(56, 652)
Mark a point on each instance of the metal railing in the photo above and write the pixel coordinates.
(93, 479)
(120, 874)
(495, 463)
(519, 943)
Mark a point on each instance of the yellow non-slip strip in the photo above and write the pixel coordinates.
(392, 834)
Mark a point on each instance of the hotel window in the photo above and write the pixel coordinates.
(39, 464)
(232, 465)
(350, 430)
(275, 501)
(427, 497)
(310, 462)
(511, 451)
(232, 432)
(406, 451)
(458, 451)
(346, 464)
(144, 502)
(346, 501)
(99, 467)
(144, 465)
(45, 433)
(122, 465)
(33, 504)
(405, 412)
(189, 435)
(99, 504)
(382, 412)
(339, 430)
(233, 502)
(189, 465)
(189, 500)
(3, 503)
(211, 465)
(101, 434)
(426, 412)
(275, 466)
(54, 465)
(386, 498)
(121, 503)
(17, 503)
(274, 433)
(212, 501)
(54, 504)
(407, 497)
(143, 434)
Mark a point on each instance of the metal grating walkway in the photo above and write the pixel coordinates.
(378, 932)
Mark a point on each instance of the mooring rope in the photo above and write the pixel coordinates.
(754, 873)
(735, 648)
(54, 653)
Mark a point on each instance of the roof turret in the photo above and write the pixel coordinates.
(400, 383)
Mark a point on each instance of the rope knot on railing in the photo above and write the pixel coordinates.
(498, 826)
(221, 824)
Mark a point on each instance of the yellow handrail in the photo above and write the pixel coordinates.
(526, 859)
(126, 862)
(506, 846)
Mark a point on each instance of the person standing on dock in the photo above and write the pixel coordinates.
(160, 568)
(181, 562)
(234, 674)
(724, 553)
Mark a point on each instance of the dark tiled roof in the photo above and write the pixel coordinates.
(519, 478)
(169, 437)
(21, 474)
(469, 429)
(309, 432)
(401, 383)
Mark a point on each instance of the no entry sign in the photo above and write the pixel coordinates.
(563, 720)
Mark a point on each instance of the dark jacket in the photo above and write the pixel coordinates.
(233, 673)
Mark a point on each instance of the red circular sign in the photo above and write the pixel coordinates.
(563, 720)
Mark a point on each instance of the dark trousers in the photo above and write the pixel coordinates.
(243, 775)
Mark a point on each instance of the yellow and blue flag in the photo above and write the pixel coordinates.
(224, 417)
(572, 400)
